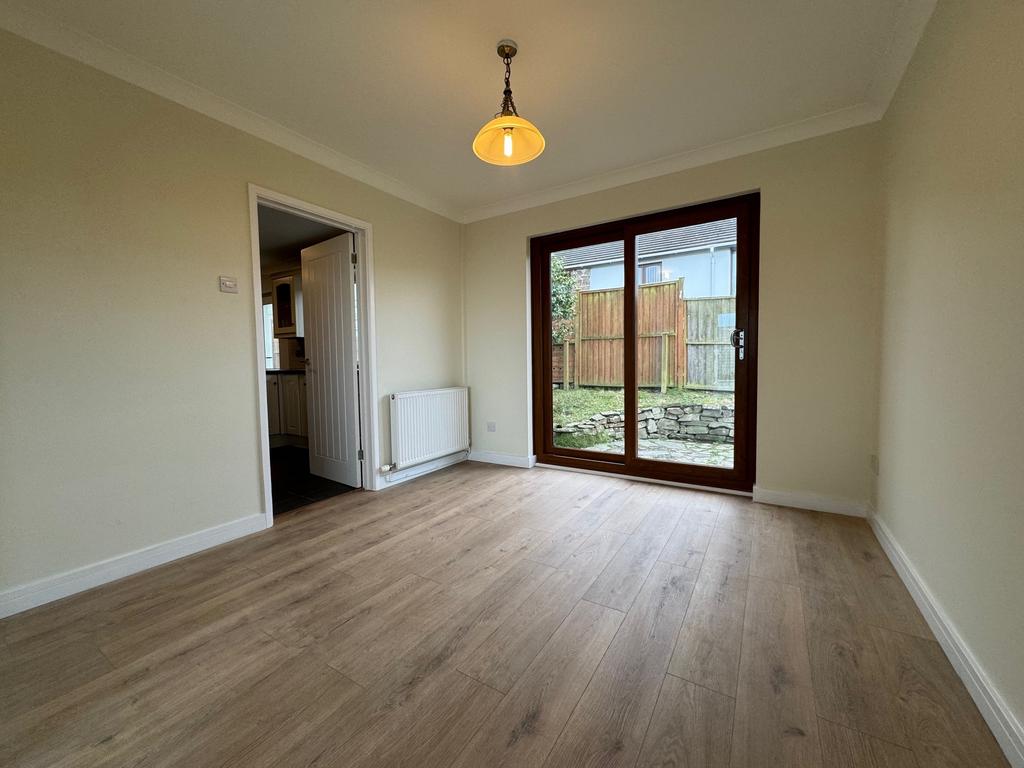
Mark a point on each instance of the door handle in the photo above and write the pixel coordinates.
(738, 340)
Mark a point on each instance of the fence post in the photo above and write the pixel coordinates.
(565, 363)
(681, 351)
(664, 362)
(578, 338)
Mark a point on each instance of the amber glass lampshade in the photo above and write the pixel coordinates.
(508, 140)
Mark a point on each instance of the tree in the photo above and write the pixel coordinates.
(563, 301)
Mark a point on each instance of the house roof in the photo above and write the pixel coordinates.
(654, 243)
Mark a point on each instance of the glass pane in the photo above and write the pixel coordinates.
(283, 293)
(685, 364)
(588, 348)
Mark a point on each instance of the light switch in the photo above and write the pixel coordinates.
(228, 284)
(492, 427)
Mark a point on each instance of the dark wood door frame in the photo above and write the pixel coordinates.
(746, 210)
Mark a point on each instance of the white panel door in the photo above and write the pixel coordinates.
(332, 401)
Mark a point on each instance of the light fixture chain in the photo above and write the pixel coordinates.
(508, 105)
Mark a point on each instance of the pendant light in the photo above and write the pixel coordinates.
(508, 139)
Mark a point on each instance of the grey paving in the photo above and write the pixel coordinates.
(679, 451)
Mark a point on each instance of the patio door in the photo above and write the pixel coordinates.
(645, 345)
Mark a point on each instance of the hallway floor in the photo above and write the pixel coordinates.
(293, 486)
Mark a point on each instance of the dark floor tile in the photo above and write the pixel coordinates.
(292, 484)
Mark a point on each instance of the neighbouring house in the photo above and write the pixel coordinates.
(703, 255)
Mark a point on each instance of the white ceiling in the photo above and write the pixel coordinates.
(393, 92)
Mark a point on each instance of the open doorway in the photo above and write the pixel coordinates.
(308, 346)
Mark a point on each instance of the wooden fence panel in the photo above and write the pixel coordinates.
(710, 360)
(656, 318)
(711, 366)
(655, 308)
(558, 369)
(710, 320)
(601, 362)
(557, 364)
(682, 366)
(600, 341)
(679, 342)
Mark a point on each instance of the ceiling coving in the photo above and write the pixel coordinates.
(677, 84)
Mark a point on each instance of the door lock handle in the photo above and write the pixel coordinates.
(739, 341)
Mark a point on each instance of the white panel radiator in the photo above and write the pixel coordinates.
(428, 424)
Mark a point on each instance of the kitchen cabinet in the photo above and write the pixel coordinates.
(303, 406)
(274, 403)
(293, 404)
(286, 404)
(286, 292)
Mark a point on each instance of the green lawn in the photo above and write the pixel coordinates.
(580, 441)
(574, 405)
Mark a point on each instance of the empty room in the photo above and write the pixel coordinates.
(457, 385)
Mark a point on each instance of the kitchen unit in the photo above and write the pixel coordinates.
(286, 292)
(286, 407)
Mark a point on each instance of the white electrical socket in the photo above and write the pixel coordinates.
(492, 427)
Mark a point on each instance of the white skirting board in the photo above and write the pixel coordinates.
(46, 590)
(506, 459)
(639, 479)
(1000, 718)
(814, 501)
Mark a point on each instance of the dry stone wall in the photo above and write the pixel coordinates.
(703, 423)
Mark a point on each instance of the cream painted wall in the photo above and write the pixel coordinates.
(819, 301)
(951, 487)
(128, 387)
(128, 382)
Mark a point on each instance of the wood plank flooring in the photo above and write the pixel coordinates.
(488, 616)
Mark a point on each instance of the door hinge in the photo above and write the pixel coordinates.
(360, 454)
(354, 257)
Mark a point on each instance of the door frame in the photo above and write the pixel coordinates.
(746, 208)
(365, 341)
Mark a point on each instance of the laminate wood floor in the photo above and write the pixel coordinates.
(487, 616)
